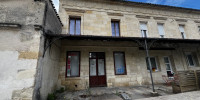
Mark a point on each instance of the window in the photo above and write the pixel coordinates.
(75, 26)
(143, 27)
(115, 28)
(73, 64)
(192, 59)
(199, 29)
(153, 64)
(181, 28)
(168, 67)
(119, 62)
(161, 30)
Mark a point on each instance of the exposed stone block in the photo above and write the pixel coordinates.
(28, 55)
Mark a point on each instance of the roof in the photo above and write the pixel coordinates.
(55, 11)
(112, 38)
(147, 5)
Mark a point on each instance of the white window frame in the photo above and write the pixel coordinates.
(168, 63)
(145, 29)
(161, 34)
(155, 62)
(182, 30)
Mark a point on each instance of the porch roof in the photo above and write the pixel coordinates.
(121, 38)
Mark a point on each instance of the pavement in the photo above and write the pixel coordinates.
(105, 93)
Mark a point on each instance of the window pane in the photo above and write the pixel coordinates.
(113, 28)
(72, 26)
(93, 67)
(101, 67)
(161, 29)
(143, 26)
(117, 28)
(73, 64)
(190, 60)
(168, 68)
(166, 59)
(78, 26)
(181, 28)
(119, 63)
(153, 63)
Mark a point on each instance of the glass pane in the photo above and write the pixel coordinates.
(161, 29)
(190, 60)
(119, 63)
(72, 25)
(117, 28)
(78, 27)
(93, 67)
(113, 28)
(92, 55)
(168, 68)
(101, 67)
(73, 64)
(153, 63)
(166, 59)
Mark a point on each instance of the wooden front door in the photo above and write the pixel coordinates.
(97, 69)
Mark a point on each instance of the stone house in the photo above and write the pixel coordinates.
(99, 44)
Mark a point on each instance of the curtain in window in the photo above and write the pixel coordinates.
(119, 63)
(73, 64)
(78, 26)
(72, 26)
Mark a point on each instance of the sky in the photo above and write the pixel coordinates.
(195, 4)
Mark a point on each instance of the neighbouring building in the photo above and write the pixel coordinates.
(23, 25)
(98, 43)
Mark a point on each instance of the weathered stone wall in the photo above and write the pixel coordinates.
(22, 48)
(137, 73)
(96, 19)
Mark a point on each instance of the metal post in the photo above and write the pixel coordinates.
(149, 62)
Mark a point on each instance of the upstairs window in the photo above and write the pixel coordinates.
(199, 29)
(115, 28)
(182, 30)
(75, 26)
(192, 59)
(161, 30)
(143, 28)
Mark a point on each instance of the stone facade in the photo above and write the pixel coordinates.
(96, 19)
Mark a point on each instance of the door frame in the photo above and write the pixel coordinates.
(97, 67)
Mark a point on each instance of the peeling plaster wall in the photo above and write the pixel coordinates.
(18, 63)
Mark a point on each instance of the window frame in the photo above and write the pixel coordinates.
(75, 18)
(125, 73)
(116, 21)
(183, 35)
(141, 30)
(161, 36)
(157, 69)
(168, 63)
(190, 53)
(67, 66)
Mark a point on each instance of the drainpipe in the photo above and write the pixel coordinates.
(149, 62)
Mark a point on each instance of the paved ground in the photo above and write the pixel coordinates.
(195, 95)
(104, 93)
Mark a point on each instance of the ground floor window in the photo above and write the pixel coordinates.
(192, 59)
(153, 64)
(73, 64)
(168, 67)
(119, 63)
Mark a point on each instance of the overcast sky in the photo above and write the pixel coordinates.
(180, 3)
